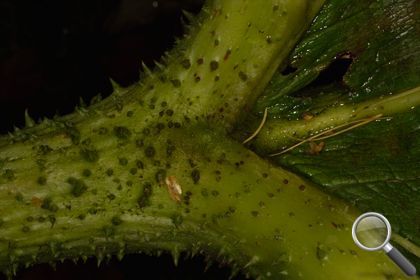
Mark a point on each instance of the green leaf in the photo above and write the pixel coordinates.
(379, 38)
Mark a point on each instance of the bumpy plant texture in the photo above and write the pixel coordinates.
(161, 166)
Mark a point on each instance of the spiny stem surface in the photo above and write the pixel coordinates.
(96, 182)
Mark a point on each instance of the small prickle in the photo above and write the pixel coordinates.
(146, 70)
(175, 254)
(116, 87)
(29, 122)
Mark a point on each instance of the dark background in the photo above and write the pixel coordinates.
(54, 52)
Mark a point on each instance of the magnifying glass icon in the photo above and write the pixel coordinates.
(371, 232)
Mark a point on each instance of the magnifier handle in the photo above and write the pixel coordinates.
(402, 261)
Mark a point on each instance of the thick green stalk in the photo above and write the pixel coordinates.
(234, 207)
(149, 169)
